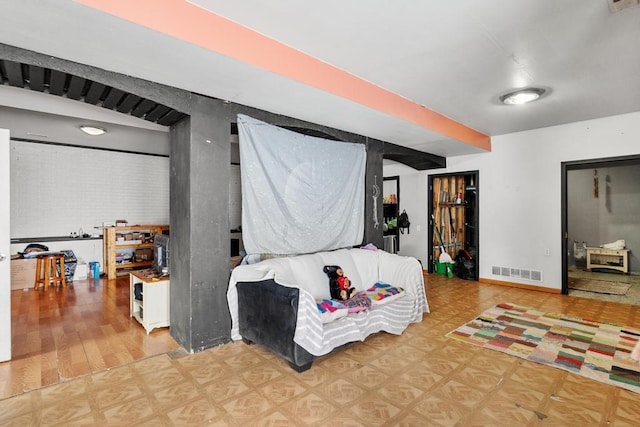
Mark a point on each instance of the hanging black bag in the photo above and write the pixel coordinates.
(403, 222)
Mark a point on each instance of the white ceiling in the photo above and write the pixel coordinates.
(454, 58)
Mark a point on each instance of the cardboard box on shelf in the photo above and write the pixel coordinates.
(23, 273)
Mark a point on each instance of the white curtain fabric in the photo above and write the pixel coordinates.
(300, 194)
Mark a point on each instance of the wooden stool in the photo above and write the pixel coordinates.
(47, 272)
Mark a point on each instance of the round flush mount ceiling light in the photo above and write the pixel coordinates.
(522, 96)
(92, 130)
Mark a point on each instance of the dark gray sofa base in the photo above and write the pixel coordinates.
(267, 315)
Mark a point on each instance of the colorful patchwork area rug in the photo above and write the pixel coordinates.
(600, 351)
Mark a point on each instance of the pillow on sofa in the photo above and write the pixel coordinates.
(330, 310)
(307, 274)
(382, 293)
(342, 257)
(366, 263)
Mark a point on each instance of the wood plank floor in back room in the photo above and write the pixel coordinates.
(420, 378)
(68, 332)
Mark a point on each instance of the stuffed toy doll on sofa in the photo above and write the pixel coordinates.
(338, 283)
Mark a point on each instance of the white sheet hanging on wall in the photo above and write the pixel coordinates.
(300, 194)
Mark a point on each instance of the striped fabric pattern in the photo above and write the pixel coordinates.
(320, 338)
(600, 351)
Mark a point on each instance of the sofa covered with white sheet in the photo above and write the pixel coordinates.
(275, 302)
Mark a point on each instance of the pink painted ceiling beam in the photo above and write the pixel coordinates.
(195, 25)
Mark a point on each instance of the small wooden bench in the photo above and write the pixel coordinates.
(614, 259)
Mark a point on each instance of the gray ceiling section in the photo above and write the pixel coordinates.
(37, 76)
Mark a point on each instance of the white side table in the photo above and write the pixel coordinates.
(151, 308)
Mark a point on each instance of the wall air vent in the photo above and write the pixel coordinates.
(536, 275)
(517, 273)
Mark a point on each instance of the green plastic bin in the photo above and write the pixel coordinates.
(441, 267)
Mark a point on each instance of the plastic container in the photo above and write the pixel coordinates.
(441, 267)
(94, 268)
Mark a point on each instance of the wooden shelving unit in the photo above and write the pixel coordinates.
(114, 239)
(454, 214)
(390, 212)
(449, 214)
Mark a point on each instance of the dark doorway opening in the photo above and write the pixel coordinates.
(603, 195)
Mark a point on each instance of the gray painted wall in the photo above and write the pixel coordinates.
(199, 219)
(613, 215)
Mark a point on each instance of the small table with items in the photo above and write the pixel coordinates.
(615, 259)
(149, 298)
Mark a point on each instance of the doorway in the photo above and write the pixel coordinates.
(390, 212)
(5, 285)
(453, 224)
(600, 201)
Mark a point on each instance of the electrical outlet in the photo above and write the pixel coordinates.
(547, 252)
(418, 227)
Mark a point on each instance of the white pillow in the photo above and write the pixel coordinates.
(366, 262)
(342, 257)
(308, 275)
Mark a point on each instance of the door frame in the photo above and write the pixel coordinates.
(5, 247)
(566, 167)
(395, 178)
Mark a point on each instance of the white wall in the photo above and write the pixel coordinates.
(413, 199)
(56, 190)
(519, 190)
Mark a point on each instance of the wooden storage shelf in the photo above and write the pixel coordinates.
(390, 213)
(449, 215)
(454, 222)
(451, 205)
(110, 246)
(134, 245)
(133, 264)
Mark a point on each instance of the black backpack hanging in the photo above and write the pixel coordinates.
(403, 222)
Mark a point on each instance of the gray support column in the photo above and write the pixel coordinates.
(373, 176)
(200, 248)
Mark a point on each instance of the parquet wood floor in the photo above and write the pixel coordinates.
(420, 378)
(82, 329)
